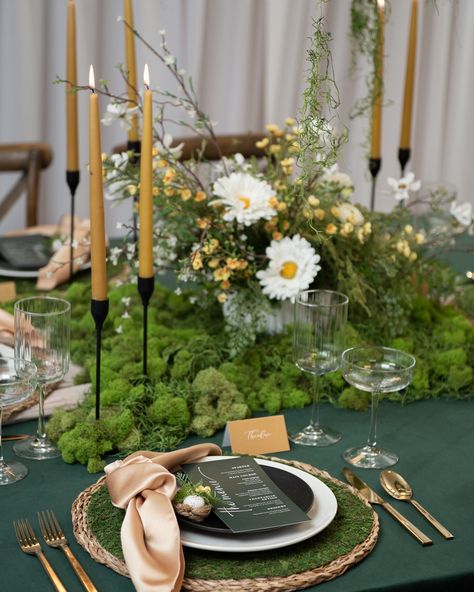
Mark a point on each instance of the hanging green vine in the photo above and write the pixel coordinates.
(319, 141)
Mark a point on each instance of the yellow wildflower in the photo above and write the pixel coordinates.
(335, 211)
(419, 238)
(331, 228)
(313, 201)
(367, 228)
(211, 246)
(169, 175)
(185, 194)
(213, 263)
(294, 148)
(289, 137)
(275, 148)
(221, 274)
(161, 163)
(203, 223)
(277, 235)
(155, 191)
(285, 225)
(346, 229)
(361, 235)
(289, 121)
(274, 129)
(263, 143)
(320, 214)
(413, 256)
(407, 251)
(307, 213)
(232, 263)
(169, 191)
(282, 207)
(222, 297)
(298, 181)
(200, 196)
(408, 229)
(286, 162)
(203, 489)
(197, 261)
(243, 264)
(347, 192)
(132, 189)
(225, 285)
(103, 156)
(279, 185)
(273, 202)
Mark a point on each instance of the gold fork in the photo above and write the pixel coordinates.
(54, 537)
(29, 544)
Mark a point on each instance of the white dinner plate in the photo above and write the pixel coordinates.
(321, 513)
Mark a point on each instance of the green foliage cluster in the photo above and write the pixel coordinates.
(196, 383)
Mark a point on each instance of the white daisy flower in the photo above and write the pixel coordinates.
(400, 189)
(462, 212)
(334, 175)
(120, 112)
(245, 198)
(293, 266)
(349, 213)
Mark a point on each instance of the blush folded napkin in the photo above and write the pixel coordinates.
(143, 485)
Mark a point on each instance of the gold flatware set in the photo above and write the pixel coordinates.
(53, 536)
(396, 486)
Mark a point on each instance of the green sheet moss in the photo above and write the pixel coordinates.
(350, 527)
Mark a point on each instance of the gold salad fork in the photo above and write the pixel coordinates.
(54, 537)
(29, 544)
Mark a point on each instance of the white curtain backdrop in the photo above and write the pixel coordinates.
(247, 58)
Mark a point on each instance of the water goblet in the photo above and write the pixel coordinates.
(17, 383)
(318, 342)
(42, 327)
(376, 370)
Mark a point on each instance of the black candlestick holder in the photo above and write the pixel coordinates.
(99, 311)
(375, 165)
(72, 180)
(404, 155)
(134, 146)
(146, 286)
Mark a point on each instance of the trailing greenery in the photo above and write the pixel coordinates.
(350, 527)
(195, 385)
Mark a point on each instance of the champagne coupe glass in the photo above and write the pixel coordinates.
(318, 342)
(376, 370)
(17, 383)
(42, 337)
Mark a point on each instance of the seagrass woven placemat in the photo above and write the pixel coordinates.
(346, 541)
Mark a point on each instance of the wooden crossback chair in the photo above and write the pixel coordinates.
(245, 144)
(29, 159)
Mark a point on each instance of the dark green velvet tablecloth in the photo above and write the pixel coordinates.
(435, 441)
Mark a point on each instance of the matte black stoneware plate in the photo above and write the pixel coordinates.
(292, 486)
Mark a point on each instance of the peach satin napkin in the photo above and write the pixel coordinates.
(143, 485)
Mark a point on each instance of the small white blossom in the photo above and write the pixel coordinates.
(170, 60)
(178, 291)
(120, 112)
(119, 329)
(462, 213)
(126, 300)
(400, 189)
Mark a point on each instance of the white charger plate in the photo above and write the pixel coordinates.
(321, 514)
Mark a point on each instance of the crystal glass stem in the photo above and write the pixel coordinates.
(315, 407)
(41, 430)
(372, 439)
(2, 462)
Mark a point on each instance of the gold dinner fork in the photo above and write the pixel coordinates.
(29, 544)
(54, 537)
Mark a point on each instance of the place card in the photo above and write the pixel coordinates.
(258, 435)
(7, 291)
(251, 501)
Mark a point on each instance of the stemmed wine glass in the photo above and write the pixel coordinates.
(42, 337)
(17, 383)
(376, 370)
(318, 342)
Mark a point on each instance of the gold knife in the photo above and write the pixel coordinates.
(15, 437)
(373, 498)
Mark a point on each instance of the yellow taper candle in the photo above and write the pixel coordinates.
(72, 151)
(96, 196)
(375, 151)
(145, 243)
(130, 66)
(405, 133)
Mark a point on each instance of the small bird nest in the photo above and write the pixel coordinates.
(193, 513)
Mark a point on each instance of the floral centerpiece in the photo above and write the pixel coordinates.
(244, 235)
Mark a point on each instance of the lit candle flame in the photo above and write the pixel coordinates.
(91, 78)
(381, 3)
(146, 76)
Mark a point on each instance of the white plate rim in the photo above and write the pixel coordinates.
(30, 273)
(322, 513)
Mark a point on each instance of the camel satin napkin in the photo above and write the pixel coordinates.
(143, 485)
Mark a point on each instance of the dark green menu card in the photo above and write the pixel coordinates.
(251, 501)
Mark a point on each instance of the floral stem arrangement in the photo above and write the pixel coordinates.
(244, 235)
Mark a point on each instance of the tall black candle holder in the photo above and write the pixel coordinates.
(403, 157)
(99, 311)
(134, 146)
(146, 286)
(375, 165)
(72, 180)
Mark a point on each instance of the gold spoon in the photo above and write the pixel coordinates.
(395, 485)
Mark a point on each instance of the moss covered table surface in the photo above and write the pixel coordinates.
(435, 441)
